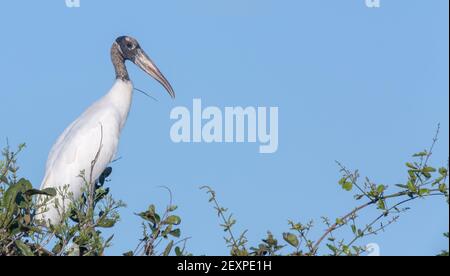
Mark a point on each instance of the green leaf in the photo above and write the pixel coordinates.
(128, 254)
(427, 175)
(48, 192)
(101, 193)
(175, 220)
(427, 172)
(429, 169)
(178, 251)
(172, 208)
(381, 205)
(438, 180)
(108, 241)
(12, 197)
(443, 188)
(443, 171)
(57, 248)
(360, 233)
(150, 215)
(24, 184)
(175, 233)
(166, 231)
(332, 248)
(346, 250)
(342, 181)
(412, 175)
(291, 239)
(411, 166)
(381, 189)
(9, 197)
(106, 223)
(359, 197)
(152, 209)
(423, 192)
(157, 219)
(411, 187)
(348, 186)
(24, 249)
(421, 154)
(168, 249)
(143, 215)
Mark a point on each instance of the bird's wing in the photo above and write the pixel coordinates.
(94, 132)
(58, 144)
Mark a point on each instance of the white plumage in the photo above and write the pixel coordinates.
(97, 130)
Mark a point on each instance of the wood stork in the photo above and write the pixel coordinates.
(95, 134)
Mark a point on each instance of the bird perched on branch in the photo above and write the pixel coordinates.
(89, 144)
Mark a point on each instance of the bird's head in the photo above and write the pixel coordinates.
(129, 49)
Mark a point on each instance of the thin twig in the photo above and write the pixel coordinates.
(91, 182)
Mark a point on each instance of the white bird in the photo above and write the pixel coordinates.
(95, 134)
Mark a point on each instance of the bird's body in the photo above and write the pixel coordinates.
(95, 134)
(97, 130)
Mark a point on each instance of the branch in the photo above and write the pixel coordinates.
(337, 225)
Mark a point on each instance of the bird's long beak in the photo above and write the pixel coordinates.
(146, 64)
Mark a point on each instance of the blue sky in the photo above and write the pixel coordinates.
(363, 86)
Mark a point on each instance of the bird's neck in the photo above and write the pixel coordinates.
(120, 96)
(119, 64)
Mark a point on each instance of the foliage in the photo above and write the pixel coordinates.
(21, 233)
(444, 253)
(423, 181)
(80, 232)
(159, 229)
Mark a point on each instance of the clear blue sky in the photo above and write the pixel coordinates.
(363, 86)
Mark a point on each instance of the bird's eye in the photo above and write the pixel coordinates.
(130, 46)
